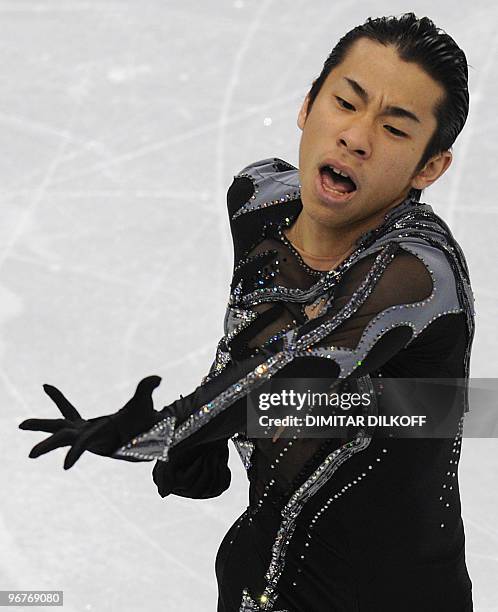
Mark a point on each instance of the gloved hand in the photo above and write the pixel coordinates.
(101, 435)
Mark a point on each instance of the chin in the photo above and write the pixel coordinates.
(322, 213)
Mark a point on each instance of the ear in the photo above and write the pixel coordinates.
(303, 112)
(432, 170)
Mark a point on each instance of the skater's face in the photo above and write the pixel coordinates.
(356, 121)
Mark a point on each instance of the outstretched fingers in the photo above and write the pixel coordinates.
(80, 445)
(64, 405)
(64, 437)
(48, 425)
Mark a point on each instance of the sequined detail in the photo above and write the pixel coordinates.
(153, 444)
(416, 315)
(233, 393)
(408, 226)
(237, 319)
(290, 512)
(280, 334)
(221, 360)
(250, 605)
(358, 298)
(343, 491)
(298, 256)
(290, 294)
(448, 483)
(270, 189)
(293, 347)
(245, 448)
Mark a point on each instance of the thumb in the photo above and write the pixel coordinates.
(147, 385)
(142, 399)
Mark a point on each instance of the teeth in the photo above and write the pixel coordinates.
(339, 172)
(341, 193)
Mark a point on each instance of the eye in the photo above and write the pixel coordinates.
(394, 131)
(345, 104)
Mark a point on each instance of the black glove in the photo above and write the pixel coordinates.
(101, 435)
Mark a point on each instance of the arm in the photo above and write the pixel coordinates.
(385, 301)
(201, 472)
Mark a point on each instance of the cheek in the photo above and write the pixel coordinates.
(317, 128)
(397, 166)
(311, 133)
(309, 147)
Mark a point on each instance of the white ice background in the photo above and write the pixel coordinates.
(122, 124)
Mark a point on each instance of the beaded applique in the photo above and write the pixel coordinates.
(449, 481)
(221, 360)
(413, 228)
(290, 512)
(293, 346)
(270, 189)
(249, 605)
(278, 361)
(416, 315)
(153, 444)
(237, 319)
(245, 448)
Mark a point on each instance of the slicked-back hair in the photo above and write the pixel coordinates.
(421, 42)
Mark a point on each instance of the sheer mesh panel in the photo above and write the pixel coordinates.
(406, 280)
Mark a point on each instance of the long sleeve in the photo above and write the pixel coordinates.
(201, 472)
(383, 302)
(377, 306)
(320, 509)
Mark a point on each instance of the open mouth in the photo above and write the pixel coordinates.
(336, 181)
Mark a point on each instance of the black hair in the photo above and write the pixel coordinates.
(419, 41)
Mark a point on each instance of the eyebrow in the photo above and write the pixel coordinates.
(390, 111)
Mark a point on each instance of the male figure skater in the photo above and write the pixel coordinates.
(340, 274)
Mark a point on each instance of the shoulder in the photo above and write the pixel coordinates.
(419, 285)
(261, 184)
(427, 253)
(262, 194)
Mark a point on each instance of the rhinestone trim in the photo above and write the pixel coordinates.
(276, 362)
(314, 483)
(245, 448)
(249, 605)
(269, 188)
(153, 444)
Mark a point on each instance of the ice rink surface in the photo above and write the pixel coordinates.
(122, 126)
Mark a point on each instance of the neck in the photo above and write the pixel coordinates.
(324, 241)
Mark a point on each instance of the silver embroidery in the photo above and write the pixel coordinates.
(221, 360)
(416, 315)
(267, 369)
(237, 319)
(357, 299)
(314, 483)
(249, 605)
(236, 391)
(269, 189)
(153, 444)
(295, 346)
(245, 448)
(276, 362)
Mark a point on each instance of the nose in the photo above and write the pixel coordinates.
(355, 138)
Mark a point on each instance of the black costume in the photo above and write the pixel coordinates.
(358, 525)
(367, 525)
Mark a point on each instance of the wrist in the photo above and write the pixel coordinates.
(128, 424)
